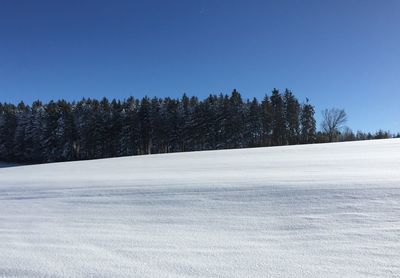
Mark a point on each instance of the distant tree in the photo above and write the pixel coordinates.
(129, 140)
(102, 132)
(186, 114)
(34, 134)
(292, 111)
(254, 124)
(278, 121)
(8, 125)
(235, 120)
(170, 124)
(332, 121)
(50, 133)
(65, 132)
(222, 110)
(266, 119)
(347, 135)
(115, 128)
(381, 134)
(22, 141)
(361, 135)
(308, 124)
(146, 127)
(87, 129)
(85, 120)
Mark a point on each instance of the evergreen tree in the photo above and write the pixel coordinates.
(8, 125)
(65, 133)
(308, 124)
(266, 119)
(292, 117)
(22, 143)
(115, 129)
(88, 129)
(254, 125)
(50, 130)
(130, 131)
(145, 126)
(35, 133)
(278, 122)
(186, 114)
(235, 121)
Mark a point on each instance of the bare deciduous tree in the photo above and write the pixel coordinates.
(332, 121)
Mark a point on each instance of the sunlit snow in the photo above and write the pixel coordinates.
(323, 210)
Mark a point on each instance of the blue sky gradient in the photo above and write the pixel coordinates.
(343, 54)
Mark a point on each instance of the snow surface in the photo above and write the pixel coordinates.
(324, 210)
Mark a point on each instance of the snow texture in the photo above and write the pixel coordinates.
(323, 210)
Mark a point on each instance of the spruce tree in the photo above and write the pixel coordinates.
(292, 117)
(145, 126)
(278, 121)
(254, 124)
(308, 124)
(87, 129)
(266, 119)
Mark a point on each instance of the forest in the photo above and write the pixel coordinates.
(91, 129)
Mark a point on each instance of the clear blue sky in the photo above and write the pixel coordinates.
(343, 54)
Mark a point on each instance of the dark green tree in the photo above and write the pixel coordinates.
(278, 121)
(292, 117)
(308, 124)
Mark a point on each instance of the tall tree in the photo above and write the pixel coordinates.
(254, 124)
(278, 122)
(235, 120)
(87, 129)
(146, 128)
(292, 117)
(130, 133)
(34, 133)
(332, 121)
(8, 125)
(308, 124)
(22, 142)
(266, 119)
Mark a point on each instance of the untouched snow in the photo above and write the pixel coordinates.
(326, 210)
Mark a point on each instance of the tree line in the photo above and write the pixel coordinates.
(90, 128)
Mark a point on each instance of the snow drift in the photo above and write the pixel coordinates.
(324, 210)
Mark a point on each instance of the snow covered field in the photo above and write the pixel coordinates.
(326, 210)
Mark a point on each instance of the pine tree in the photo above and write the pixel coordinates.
(65, 133)
(62, 131)
(8, 125)
(130, 133)
(266, 119)
(278, 119)
(235, 121)
(254, 126)
(21, 142)
(145, 126)
(292, 117)
(186, 114)
(35, 132)
(115, 128)
(50, 130)
(308, 124)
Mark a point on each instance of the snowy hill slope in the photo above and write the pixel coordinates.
(326, 210)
